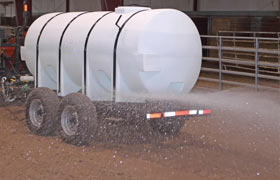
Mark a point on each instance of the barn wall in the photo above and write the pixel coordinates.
(211, 5)
(184, 5)
(239, 5)
(40, 7)
(85, 5)
(138, 2)
(44, 6)
(10, 10)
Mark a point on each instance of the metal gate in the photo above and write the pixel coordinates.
(243, 61)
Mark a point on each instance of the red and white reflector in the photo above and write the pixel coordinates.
(178, 113)
(204, 111)
(154, 116)
(169, 114)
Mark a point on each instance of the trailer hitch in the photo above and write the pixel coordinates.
(7, 90)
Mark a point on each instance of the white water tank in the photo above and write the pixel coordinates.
(114, 55)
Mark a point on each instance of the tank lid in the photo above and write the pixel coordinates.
(130, 9)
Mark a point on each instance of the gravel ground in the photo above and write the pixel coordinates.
(239, 140)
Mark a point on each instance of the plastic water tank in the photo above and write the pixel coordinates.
(114, 55)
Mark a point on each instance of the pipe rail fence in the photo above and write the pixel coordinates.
(249, 34)
(232, 57)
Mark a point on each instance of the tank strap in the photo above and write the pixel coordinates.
(115, 49)
(59, 51)
(85, 52)
(37, 50)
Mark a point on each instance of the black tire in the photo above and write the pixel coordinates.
(167, 126)
(41, 106)
(78, 119)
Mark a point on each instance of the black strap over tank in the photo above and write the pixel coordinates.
(37, 49)
(59, 52)
(115, 49)
(85, 50)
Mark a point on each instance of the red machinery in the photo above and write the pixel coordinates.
(9, 54)
(10, 62)
(11, 66)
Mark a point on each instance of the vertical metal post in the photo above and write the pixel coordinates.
(234, 44)
(17, 49)
(195, 5)
(209, 31)
(279, 6)
(257, 63)
(67, 6)
(220, 63)
(278, 55)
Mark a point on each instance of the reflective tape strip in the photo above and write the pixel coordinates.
(178, 113)
(208, 111)
(148, 116)
(169, 114)
(154, 116)
(182, 113)
(193, 112)
(201, 112)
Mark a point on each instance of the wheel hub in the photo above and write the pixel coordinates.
(36, 112)
(69, 120)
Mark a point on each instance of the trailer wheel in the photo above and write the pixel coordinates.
(41, 107)
(171, 126)
(78, 119)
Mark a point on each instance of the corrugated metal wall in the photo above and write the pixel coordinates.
(211, 5)
(238, 5)
(183, 5)
(85, 5)
(266, 24)
(8, 11)
(42, 6)
(45, 6)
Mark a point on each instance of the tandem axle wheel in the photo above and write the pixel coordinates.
(75, 120)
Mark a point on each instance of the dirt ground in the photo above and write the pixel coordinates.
(239, 140)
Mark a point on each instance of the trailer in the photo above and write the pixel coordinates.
(91, 66)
